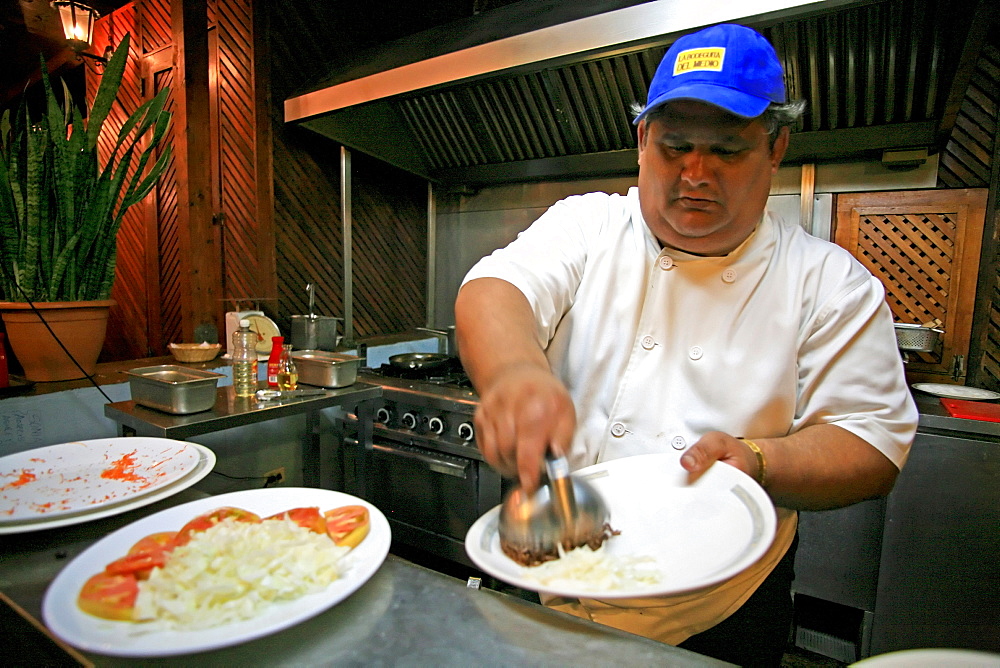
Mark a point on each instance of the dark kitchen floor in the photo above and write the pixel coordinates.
(795, 657)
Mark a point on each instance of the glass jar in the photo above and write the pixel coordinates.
(288, 375)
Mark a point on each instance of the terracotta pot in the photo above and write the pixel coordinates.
(80, 326)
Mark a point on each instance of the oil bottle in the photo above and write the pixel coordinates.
(244, 361)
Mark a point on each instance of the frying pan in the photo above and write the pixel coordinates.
(419, 361)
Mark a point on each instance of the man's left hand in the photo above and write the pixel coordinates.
(717, 446)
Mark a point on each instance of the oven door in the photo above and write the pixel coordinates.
(430, 498)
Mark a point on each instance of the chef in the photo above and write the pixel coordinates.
(685, 318)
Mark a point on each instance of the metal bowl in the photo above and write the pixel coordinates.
(532, 521)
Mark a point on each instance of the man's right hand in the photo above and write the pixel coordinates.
(524, 413)
(524, 410)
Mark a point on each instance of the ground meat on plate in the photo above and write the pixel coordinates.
(536, 556)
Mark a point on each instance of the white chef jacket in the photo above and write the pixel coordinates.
(657, 346)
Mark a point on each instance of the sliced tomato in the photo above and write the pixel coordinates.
(138, 565)
(347, 526)
(210, 519)
(308, 518)
(163, 540)
(109, 596)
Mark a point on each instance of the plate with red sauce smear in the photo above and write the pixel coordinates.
(83, 477)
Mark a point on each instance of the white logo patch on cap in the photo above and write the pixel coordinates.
(706, 59)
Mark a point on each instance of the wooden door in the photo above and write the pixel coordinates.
(924, 246)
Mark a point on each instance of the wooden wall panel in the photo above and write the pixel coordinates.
(390, 249)
(308, 232)
(389, 206)
(154, 19)
(967, 158)
(128, 322)
(151, 278)
(235, 149)
(167, 246)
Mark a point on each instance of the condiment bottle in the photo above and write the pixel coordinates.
(272, 362)
(244, 360)
(4, 372)
(288, 375)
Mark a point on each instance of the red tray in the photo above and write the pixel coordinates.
(972, 410)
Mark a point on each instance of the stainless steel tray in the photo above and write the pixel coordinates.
(326, 369)
(174, 389)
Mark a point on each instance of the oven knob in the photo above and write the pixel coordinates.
(465, 431)
(383, 415)
(409, 420)
(436, 426)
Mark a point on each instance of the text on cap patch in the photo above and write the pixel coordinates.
(695, 60)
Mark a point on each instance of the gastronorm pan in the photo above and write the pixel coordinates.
(326, 369)
(173, 389)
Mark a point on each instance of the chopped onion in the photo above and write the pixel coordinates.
(234, 570)
(596, 569)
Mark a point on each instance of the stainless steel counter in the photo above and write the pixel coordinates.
(405, 615)
(231, 411)
(908, 570)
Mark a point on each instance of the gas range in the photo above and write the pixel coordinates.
(412, 453)
(430, 409)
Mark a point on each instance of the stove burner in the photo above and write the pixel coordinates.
(450, 374)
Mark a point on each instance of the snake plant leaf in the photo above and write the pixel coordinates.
(59, 119)
(62, 200)
(107, 90)
(144, 188)
(149, 112)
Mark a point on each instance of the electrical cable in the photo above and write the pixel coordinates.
(268, 479)
(238, 477)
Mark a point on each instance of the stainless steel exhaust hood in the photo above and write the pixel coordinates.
(553, 102)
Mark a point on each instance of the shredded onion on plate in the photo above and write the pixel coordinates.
(234, 570)
(596, 569)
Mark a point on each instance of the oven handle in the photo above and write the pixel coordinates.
(433, 463)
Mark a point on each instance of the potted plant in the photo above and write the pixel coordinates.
(60, 210)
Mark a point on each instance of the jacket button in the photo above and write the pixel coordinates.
(678, 442)
(618, 429)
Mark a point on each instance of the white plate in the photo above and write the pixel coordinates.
(956, 391)
(932, 658)
(89, 633)
(82, 476)
(700, 533)
(206, 462)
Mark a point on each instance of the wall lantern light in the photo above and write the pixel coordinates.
(78, 26)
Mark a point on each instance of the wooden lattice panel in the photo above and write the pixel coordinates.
(912, 254)
(924, 247)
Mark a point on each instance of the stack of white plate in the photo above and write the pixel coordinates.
(71, 483)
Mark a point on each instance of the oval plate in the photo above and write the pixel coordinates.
(84, 476)
(699, 533)
(956, 391)
(102, 636)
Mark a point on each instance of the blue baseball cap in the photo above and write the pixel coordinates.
(730, 66)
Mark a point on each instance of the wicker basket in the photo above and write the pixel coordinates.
(917, 338)
(195, 352)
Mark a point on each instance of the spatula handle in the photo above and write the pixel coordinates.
(562, 489)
